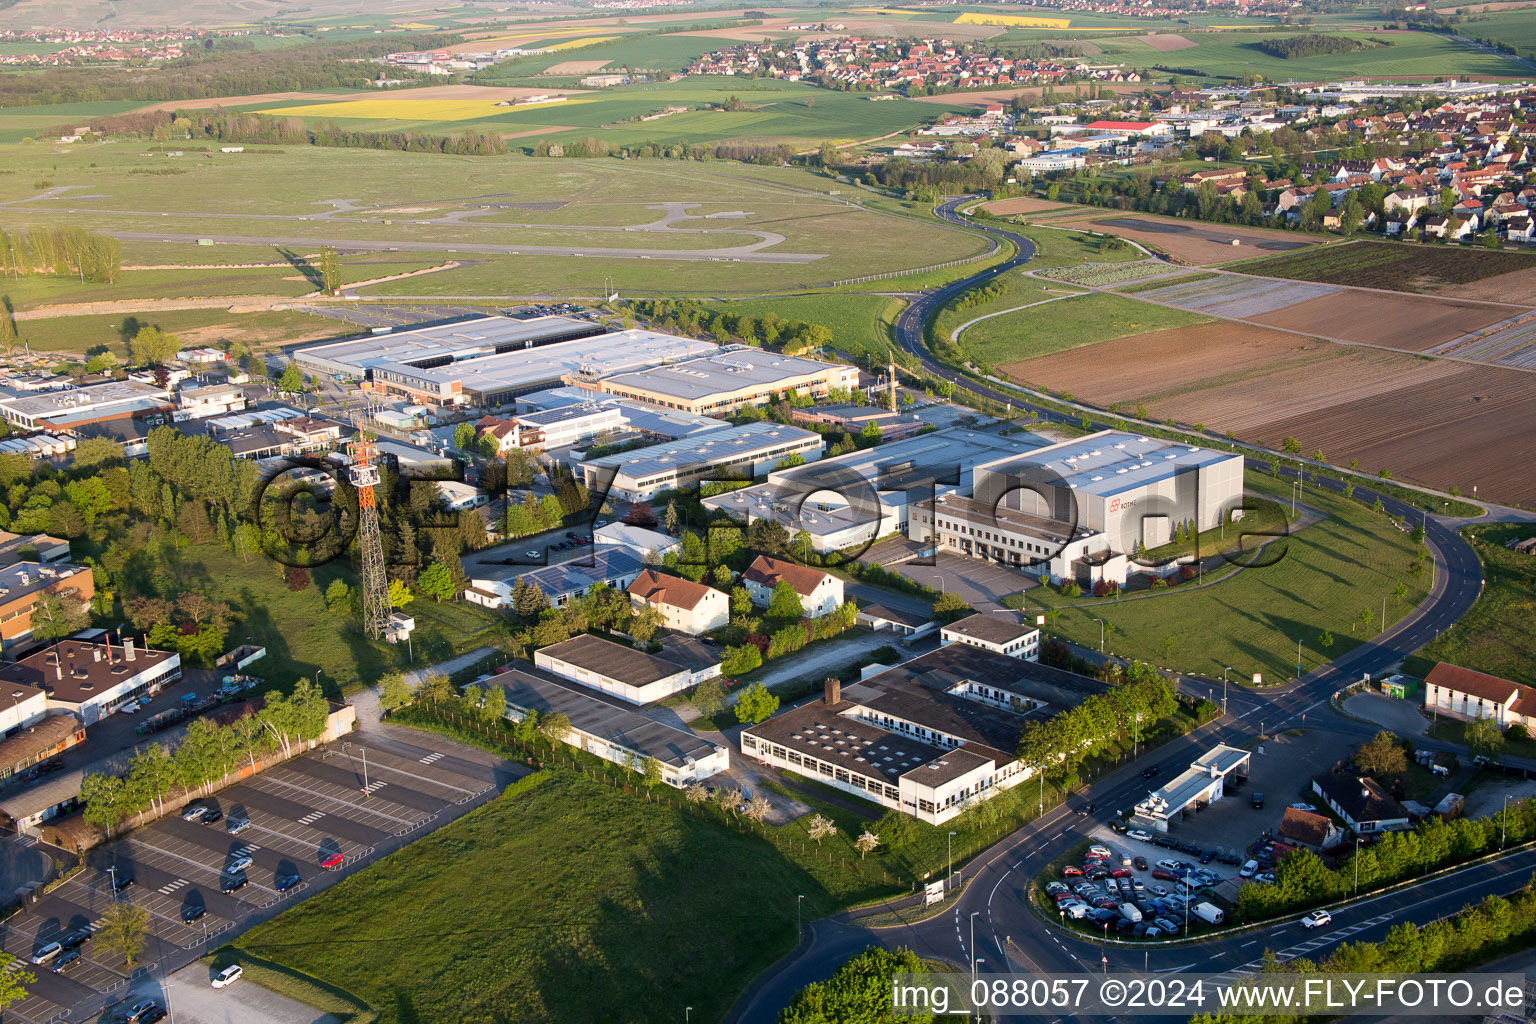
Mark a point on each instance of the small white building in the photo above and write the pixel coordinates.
(626, 673)
(638, 540)
(1000, 634)
(686, 606)
(456, 496)
(1201, 784)
(820, 592)
(213, 400)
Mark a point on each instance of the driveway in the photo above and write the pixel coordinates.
(1400, 716)
(192, 1000)
(983, 585)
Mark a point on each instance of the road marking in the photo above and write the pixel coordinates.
(1247, 944)
(167, 889)
(311, 817)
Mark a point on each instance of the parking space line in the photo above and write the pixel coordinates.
(372, 808)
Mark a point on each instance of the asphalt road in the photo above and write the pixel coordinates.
(1008, 933)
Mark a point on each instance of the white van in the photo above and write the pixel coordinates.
(47, 953)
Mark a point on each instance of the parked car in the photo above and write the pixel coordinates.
(1169, 864)
(1249, 869)
(193, 912)
(1099, 851)
(66, 960)
(141, 1011)
(1164, 875)
(47, 953)
(237, 825)
(1258, 801)
(333, 860)
(1207, 856)
(131, 708)
(1303, 807)
(213, 816)
(121, 882)
(228, 976)
(232, 883)
(1168, 925)
(1264, 878)
(193, 812)
(1120, 873)
(1138, 886)
(154, 1016)
(239, 863)
(1117, 827)
(1071, 871)
(1141, 835)
(1317, 919)
(1052, 888)
(1140, 863)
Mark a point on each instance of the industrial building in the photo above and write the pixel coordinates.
(1078, 509)
(623, 672)
(929, 737)
(747, 450)
(615, 567)
(1002, 633)
(487, 362)
(24, 584)
(852, 499)
(638, 419)
(92, 680)
(68, 408)
(728, 379)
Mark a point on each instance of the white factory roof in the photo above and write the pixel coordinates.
(729, 369)
(460, 339)
(1112, 461)
(63, 402)
(730, 444)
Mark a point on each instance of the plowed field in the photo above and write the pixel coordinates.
(1412, 323)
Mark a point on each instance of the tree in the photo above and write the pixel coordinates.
(756, 704)
(436, 581)
(123, 929)
(494, 707)
(553, 728)
(1325, 641)
(153, 347)
(785, 604)
(435, 687)
(464, 436)
(650, 773)
(1382, 756)
(54, 617)
(644, 624)
(757, 809)
(330, 270)
(292, 379)
(669, 521)
(1484, 737)
(949, 607)
(819, 828)
(738, 661)
(338, 596)
(860, 990)
(13, 983)
(709, 697)
(394, 692)
(399, 595)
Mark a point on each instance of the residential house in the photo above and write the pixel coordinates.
(1364, 805)
(1315, 832)
(685, 606)
(820, 592)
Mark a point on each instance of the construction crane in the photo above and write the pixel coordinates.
(364, 474)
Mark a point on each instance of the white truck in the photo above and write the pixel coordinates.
(1208, 912)
(1130, 912)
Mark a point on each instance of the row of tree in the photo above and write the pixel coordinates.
(1059, 744)
(63, 252)
(1302, 879)
(207, 753)
(683, 316)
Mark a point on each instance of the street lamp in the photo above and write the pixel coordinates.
(797, 916)
(1101, 633)
(950, 880)
(973, 944)
(1357, 865)
(1224, 688)
(1504, 821)
(687, 1014)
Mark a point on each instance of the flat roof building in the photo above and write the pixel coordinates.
(728, 379)
(68, 408)
(92, 680)
(490, 361)
(928, 737)
(749, 449)
(24, 584)
(1201, 784)
(602, 727)
(623, 672)
(1000, 634)
(615, 567)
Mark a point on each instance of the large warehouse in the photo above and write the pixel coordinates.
(728, 379)
(1078, 509)
(490, 361)
(749, 449)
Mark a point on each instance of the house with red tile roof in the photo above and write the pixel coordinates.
(685, 606)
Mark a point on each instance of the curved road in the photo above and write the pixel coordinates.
(996, 892)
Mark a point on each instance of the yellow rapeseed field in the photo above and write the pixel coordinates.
(1012, 20)
(571, 44)
(391, 109)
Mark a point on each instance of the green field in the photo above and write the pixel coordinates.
(1067, 324)
(860, 323)
(600, 203)
(301, 636)
(569, 901)
(1496, 635)
(1517, 28)
(75, 334)
(1236, 54)
(1395, 266)
(1331, 571)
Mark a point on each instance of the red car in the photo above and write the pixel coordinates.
(1121, 873)
(1164, 874)
(333, 860)
(1071, 872)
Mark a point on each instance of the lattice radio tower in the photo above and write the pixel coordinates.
(364, 474)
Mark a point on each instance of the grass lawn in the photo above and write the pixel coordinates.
(1019, 290)
(1067, 324)
(859, 323)
(1062, 247)
(1453, 730)
(1495, 635)
(302, 636)
(1322, 578)
(568, 901)
(75, 334)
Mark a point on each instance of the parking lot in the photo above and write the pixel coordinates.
(982, 584)
(359, 798)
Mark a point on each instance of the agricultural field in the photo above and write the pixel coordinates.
(617, 879)
(1005, 341)
(512, 223)
(1325, 575)
(1229, 295)
(73, 335)
(1099, 275)
(1495, 635)
(1388, 53)
(1432, 422)
(365, 14)
(1411, 323)
(1501, 276)
(1201, 244)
